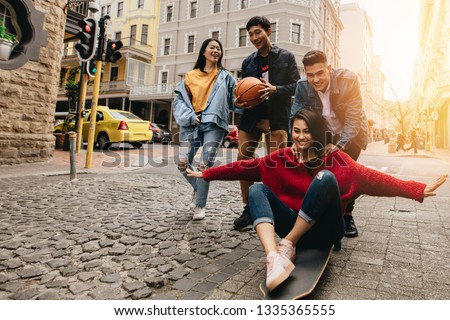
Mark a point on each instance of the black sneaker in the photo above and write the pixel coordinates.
(244, 220)
(350, 228)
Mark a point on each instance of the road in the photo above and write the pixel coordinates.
(125, 232)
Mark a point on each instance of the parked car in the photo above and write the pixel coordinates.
(67, 125)
(231, 140)
(112, 126)
(161, 133)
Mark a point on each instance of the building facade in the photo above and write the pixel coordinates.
(431, 91)
(357, 55)
(298, 26)
(135, 23)
(29, 79)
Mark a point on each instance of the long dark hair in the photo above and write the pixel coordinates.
(201, 60)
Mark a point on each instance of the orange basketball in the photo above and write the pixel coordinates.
(248, 91)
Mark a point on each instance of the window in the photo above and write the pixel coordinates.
(166, 47)
(119, 9)
(6, 20)
(242, 37)
(296, 35)
(169, 14)
(244, 4)
(103, 10)
(217, 5)
(191, 42)
(144, 34)
(215, 35)
(164, 77)
(273, 1)
(118, 36)
(133, 35)
(108, 9)
(114, 74)
(193, 9)
(273, 35)
(140, 4)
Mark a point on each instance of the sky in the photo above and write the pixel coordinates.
(395, 26)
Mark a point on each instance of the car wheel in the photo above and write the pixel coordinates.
(103, 141)
(227, 143)
(137, 145)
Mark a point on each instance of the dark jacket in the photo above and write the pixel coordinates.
(345, 101)
(283, 73)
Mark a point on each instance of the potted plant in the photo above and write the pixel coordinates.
(7, 42)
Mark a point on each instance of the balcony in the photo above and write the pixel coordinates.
(152, 92)
(106, 88)
(75, 12)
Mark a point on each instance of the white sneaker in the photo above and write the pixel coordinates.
(193, 203)
(286, 249)
(199, 213)
(278, 269)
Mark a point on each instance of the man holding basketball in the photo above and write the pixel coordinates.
(277, 69)
(335, 95)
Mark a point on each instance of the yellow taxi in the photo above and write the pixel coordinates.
(112, 126)
(117, 126)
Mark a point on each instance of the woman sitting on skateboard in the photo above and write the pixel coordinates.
(303, 192)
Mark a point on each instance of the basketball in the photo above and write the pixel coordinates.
(247, 89)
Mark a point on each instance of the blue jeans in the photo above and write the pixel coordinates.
(209, 137)
(321, 208)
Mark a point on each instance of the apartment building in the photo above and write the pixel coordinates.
(135, 23)
(298, 26)
(431, 88)
(357, 55)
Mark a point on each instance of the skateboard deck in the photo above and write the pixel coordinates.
(310, 264)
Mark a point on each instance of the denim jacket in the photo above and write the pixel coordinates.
(345, 101)
(220, 101)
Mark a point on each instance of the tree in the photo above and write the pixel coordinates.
(72, 89)
(398, 110)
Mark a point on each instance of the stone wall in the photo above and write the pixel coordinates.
(28, 95)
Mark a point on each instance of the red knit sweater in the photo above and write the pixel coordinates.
(289, 179)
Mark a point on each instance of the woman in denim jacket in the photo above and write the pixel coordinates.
(201, 106)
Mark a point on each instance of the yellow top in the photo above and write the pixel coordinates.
(199, 85)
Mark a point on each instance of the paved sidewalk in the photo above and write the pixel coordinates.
(126, 233)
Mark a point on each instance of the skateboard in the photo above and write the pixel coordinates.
(310, 264)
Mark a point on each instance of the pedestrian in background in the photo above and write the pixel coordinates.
(413, 140)
(401, 140)
(335, 95)
(304, 193)
(201, 108)
(277, 69)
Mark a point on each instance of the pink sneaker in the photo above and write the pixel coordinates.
(286, 249)
(278, 269)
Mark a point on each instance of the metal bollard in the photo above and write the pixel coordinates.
(73, 159)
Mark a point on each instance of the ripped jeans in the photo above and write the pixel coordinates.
(321, 208)
(210, 138)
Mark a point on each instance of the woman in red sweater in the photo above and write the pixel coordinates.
(303, 192)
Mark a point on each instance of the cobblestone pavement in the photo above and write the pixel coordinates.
(129, 235)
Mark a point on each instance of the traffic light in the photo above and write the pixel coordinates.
(112, 53)
(88, 37)
(91, 68)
